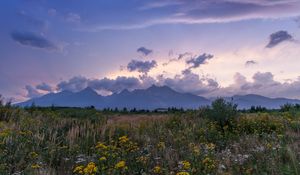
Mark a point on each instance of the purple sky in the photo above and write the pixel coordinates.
(206, 47)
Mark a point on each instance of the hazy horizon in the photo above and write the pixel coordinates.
(207, 48)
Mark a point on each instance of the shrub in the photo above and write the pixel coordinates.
(222, 111)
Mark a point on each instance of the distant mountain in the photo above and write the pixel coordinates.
(151, 98)
(246, 101)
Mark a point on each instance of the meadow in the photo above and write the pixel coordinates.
(212, 140)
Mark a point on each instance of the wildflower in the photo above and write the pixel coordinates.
(182, 173)
(102, 158)
(142, 159)
(90, 169)
(33, 155)
(185, 164)
(35, 166)
(209, 163)
(101, 146)
(269, 145)
(121, 165)
(161, 145)
(196, 150)
(78, 169)
(210, 146)
(5, 133)
(157, 169)
(123, 139)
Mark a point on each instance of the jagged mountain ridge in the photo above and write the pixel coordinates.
(151, 98)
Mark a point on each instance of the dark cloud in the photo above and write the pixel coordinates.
(141, 66)
(44, 87)
(32, 92)
(144, 51)
(33, 40)
(197, 61)
(250, 63)
(116, 85)
(75, 84)
(278, 37)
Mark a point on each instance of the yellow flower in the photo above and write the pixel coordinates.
(123, 139)
(269, 145)
(90, 169)
(157, 169)
(210, 146)
(78, 169)
(185, 164)
(33, 154)
(121, 165)
(209, 163)
(35, 166)
(161, 145)
(102, 158)
(142, 159)
(196, 150)
(101, 146)
(182, 173)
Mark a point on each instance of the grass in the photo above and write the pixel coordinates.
(86, 141)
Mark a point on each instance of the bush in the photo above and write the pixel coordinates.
(222, 111)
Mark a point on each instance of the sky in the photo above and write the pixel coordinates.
(206, 47)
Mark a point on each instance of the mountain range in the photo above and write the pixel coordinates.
(151, 98)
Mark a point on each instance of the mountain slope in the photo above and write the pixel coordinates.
(246, 101)
(151, 98)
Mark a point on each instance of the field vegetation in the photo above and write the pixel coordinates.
(212, 140)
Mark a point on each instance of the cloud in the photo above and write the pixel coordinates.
(144, 51)
(75, 84)
(278, 37)
(262, 83)
(141, 66)
(160, 4)
(33, 40)
(199, 12)
(116, 85)
(178, 58)
(73, 17)
(44, 87)
(190, 82)
(32, 92)
(197, 61)
(250, 63)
